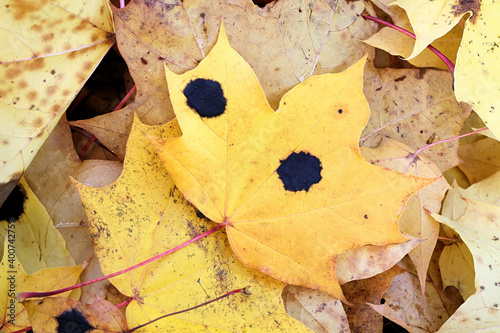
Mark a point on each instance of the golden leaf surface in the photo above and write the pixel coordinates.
(141, 215)
(291, 186)
(48, 49)
(38, 243)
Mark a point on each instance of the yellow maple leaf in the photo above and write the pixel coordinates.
(479, 228)
(141, 215)
(13, 316)
(477, 71)
(290, 186)
(48, 49)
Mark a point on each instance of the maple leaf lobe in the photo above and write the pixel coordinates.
(299, 171)
(13, 207)
(73, 321)
(205, 97)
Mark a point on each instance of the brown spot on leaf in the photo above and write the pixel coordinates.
(80, 27)
(72, 55)
(464, 6)
(87, 65)
(32, 95)
(94, 37)
(47, 49)
(12, 73)
(51, 90)
(36, 28)
(48, 37)
(36, 64)
(80, 78)
(144, 61)
(5, 142)
(22, 84)
(55, 108)
(38, 122)
(21, 8)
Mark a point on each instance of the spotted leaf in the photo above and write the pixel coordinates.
(290, 186)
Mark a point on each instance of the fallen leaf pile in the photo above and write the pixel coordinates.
(323, 172)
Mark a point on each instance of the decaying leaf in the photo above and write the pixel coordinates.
(456, 261)
(42, 67)
(58, 314)
(361, 317)
(479, 228)
(405, 303)
(399, 44)
(477, 79)
(296, 173)
(316, 309)
(284, 43)
(415, 107)
(369, 260)
(142, 214)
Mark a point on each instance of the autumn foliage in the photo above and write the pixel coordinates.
(280, 167)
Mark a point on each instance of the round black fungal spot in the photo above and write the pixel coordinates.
(205, 97)
(73, 321)
(299, 171)
(340, 111)
(13, 207)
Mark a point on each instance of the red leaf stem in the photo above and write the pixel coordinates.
(446, 61)
(24, 295)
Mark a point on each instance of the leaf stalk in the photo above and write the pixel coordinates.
(21, 297)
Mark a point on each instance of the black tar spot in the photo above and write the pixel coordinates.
(299, 171)
(205, 97)
(73, 321)
(13, 207)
